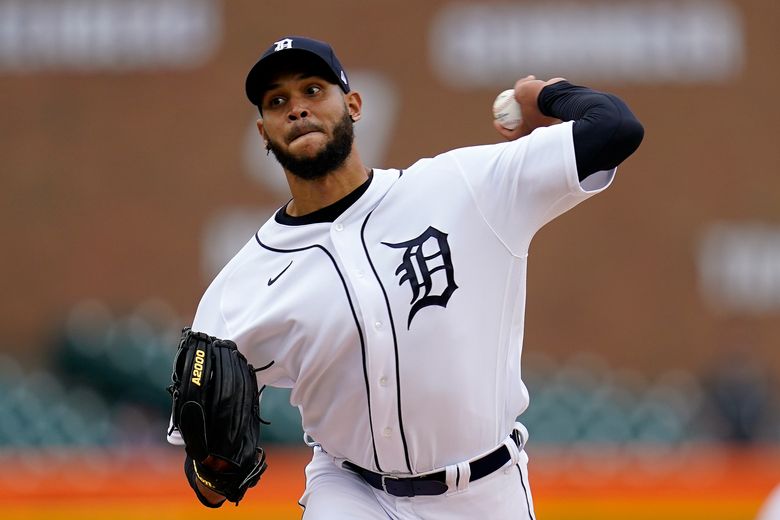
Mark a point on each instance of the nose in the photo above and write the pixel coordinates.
(298, 111)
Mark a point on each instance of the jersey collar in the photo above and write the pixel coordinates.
(328, 213)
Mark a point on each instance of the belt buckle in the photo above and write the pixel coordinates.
(408, 493)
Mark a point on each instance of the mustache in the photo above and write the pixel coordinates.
(302, 128)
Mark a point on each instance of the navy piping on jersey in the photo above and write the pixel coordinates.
(260, 393)
(395, 343)
(527, 502)
(357, 325)
(265, 366)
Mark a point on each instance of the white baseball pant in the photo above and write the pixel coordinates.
(336, 493)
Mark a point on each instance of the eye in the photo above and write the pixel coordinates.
(313, 89)
(275, 101)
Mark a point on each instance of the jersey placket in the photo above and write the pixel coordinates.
(380, 357)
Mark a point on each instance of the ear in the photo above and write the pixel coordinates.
(261, 129)
(354, 105)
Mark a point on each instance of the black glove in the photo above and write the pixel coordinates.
(216, 409)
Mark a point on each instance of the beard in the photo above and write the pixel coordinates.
(327, 160)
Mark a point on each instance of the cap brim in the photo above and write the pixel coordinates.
(261, 74)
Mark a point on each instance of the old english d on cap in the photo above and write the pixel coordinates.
(258, 76)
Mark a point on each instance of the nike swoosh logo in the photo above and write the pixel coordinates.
(271, 281)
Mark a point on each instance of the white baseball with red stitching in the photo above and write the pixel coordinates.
(506, 110)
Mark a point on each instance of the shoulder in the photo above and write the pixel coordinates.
(554, 135)
(209, 317)
(449, 160)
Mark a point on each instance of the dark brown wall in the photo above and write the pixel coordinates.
(109, 179)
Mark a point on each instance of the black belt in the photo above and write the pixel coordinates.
(434, 483)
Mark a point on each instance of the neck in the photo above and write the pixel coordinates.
(311, 195)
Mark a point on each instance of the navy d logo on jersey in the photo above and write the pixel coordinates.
(425, 256)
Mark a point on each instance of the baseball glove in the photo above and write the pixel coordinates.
(216, 409)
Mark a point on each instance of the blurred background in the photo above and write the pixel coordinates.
(132, 171)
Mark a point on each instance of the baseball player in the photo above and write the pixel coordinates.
(392, 301)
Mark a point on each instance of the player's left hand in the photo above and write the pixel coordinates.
(527, 95)
(216, 410)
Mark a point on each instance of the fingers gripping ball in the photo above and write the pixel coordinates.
(506, 110)
(216, 410)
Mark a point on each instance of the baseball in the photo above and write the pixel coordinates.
(506, 110)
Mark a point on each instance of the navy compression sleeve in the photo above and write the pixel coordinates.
(605, 130)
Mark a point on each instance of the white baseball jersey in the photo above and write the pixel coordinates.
(399, 324)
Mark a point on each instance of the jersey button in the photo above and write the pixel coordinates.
(339, 227)
(377, 325)
(359, 273)
(387, 432)
(383, 381)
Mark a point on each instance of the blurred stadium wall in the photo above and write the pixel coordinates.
(131, 172)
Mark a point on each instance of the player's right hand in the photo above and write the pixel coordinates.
(527, 91)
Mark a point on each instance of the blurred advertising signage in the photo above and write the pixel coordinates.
(107, 34)
(653, 41)
(739, 267)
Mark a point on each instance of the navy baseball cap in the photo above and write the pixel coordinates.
(258, 76)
